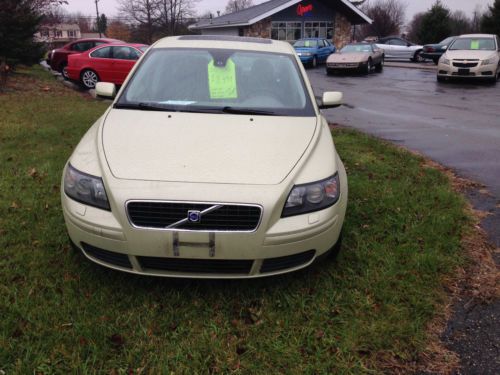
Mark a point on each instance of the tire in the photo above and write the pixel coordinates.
(380, 66)
(417, 57)
(314, 62)
(329, 72)
(368, 67)
(441, 79)
(63, 70)
(436, 60)
(89, 78)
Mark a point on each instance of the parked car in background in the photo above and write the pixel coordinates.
(471, 56)
(313, 51)
(435, 51)
(356, 56)
(107, 62)
(58, 58)
(398, 48)
(144, 191)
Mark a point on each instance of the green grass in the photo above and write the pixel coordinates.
(60, 313)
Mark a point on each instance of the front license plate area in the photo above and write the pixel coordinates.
(464, 72)
(210, 245)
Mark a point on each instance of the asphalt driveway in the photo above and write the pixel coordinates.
(457, 125)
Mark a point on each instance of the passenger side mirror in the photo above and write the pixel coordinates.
(330, 99)
(105, 90)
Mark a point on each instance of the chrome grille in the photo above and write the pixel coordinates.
(214, 216)
(463, 64)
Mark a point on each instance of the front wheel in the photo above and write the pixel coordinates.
(314, 62)
(380, 66)
(64, 71)
(417, 57)
(368, 67)
(89, 78)
(441, 79)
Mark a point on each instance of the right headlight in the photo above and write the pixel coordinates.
(445, 61)
(311, 197)
(85, 188)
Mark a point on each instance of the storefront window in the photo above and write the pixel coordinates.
(289, 31)
(318, 30)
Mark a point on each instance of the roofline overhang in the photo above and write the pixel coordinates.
(274, 11)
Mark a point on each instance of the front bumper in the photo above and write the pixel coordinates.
(479, 71)
(345, 66)
(276, 246)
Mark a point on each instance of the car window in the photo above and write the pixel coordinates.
(327, 43)
(357, 48)
(82, 46)
(99, 43)
(397, 42)
(471, 44)
(306, 43)
(197, 79)
(447, 41)
(103, 53)
(125, 53)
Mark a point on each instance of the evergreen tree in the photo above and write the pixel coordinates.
(102, 24)
(490, 22)
(19, 21)
(435, 25)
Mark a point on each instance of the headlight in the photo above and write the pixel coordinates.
(312, 197)
(487, 62)
(85, 188)
(445, 61)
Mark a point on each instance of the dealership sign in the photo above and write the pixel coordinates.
(304, 10)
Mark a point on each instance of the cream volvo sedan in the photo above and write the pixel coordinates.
(213, 161)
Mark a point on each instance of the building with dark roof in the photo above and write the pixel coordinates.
(289, 20)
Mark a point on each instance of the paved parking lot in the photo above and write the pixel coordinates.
(455, 124)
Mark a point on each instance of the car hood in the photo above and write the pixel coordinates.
(205, 148)
(469, 55)
(348, 57)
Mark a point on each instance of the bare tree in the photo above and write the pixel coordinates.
(388, 17)
(415, 26)
(174, 12)
(237, 5)
(460, 23)
(144, 13)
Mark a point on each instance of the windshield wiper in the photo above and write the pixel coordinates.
(143, 107)
(246, 111)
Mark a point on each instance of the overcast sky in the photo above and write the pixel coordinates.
(110, 7)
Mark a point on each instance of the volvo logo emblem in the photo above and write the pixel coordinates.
(194, 216)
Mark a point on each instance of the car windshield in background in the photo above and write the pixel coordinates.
(306, 43)
(356, 48)
(218, 81)
(472, 44)
(447, 40)
(143, 48)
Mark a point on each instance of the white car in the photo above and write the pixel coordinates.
(213, 161)
(471, 56)
(398, 48)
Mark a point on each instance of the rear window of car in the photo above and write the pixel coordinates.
(472, 44)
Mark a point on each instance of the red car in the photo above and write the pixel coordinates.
(58, 58)
(108, 63)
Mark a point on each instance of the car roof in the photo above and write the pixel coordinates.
(477, 36)
(117, 45)
(225, 42)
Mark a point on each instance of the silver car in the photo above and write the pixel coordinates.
(399, 48)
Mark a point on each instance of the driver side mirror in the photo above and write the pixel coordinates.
(105, 90)
(330, 99)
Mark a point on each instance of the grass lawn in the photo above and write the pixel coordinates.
(359, 314)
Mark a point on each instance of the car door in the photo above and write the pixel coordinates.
(399, 48)
(100, 61)
(124, 58)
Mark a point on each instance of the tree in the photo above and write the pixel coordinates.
(237, 5)
(145, 16)
(435, 24)
(174, 12)
(415, 26)
(388, 17)
(460, 23)
(102, 24)
(119, 30)
(490, 21)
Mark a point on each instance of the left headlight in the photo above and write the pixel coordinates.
(85, 188)
(311, 197)
(487, 62)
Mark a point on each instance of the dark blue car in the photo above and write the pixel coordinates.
(313, 51)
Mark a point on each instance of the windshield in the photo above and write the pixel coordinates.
(447, 41)
(306, 43)
(218, 80)
(470, 44)
(357, 48)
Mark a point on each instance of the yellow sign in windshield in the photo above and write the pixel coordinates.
(474, 44)
(222, 80)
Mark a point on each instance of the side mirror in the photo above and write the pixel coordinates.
(331, 99)
(105, 90)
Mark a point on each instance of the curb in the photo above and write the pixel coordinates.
(421, 66)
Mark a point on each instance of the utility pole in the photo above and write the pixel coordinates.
(98, 21)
